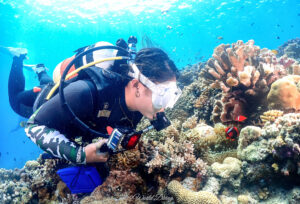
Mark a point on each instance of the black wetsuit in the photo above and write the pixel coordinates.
(97, 98)
(20, 100)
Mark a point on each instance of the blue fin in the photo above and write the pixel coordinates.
(80, 179)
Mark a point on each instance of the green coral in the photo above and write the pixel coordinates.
(184, 196)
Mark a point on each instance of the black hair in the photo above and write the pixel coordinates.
(155, 64)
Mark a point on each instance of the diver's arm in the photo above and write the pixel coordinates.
(46, 125)
(59, 146)
(55, 143)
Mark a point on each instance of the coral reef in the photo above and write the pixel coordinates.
(176, 157)
(111, 200)
(190, 74)
(218, 156)
(244, 73)
(291, 48)
(286, 146)
(294, 196)
(197, 99)
(190, 123)
(37, 182)
(212, 185)
(125, 160)
(271, 115)
(285, 93)
(274, 148)
(119, 185)
(202, 136)
(184, 196)
(246, 199)
(249, 148)
(295, 70)
(229, 168)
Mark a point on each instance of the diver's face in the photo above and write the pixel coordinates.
(139, 98)
(145, 105)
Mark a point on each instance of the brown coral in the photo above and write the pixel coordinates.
(190, 123)
(202, 99)
(125, 160)
(118, 185)
(184, 196)
(175, 157)
(285, 93)
(244, 73)
(232, 66)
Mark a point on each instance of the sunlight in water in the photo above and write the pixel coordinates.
(98, 8)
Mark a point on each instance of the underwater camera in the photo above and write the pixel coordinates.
(122, 139)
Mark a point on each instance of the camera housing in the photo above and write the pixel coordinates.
(122, 139)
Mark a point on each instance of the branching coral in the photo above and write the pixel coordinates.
(203, 98)
(244, 72)
(176, 157)
(125, 160)
(190, 123)
(233, 66)
(173, 131)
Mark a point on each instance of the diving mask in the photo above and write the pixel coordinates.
(164, 95)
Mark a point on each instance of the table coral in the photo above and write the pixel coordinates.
(184, 196)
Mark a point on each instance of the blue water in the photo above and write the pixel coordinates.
(187, 30)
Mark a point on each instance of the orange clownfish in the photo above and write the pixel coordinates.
(240, 118)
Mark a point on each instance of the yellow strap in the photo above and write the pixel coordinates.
(79, 69)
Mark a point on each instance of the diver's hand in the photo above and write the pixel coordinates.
(91, 154)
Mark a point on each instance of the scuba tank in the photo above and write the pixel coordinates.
(84, 60)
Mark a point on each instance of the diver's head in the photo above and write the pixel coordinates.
(156, 65)
(154, 81)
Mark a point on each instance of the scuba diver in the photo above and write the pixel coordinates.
(110, 96)
(21, 100)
